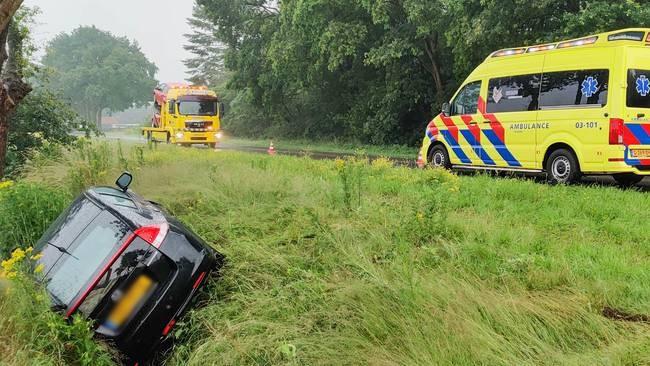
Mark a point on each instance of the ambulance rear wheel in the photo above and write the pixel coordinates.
(562, 167)
(439, 158)
(628, 179)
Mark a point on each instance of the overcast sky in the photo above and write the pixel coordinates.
(157, 25)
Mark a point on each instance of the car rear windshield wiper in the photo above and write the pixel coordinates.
(58, 304)
(62, 250)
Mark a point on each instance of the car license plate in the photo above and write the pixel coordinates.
(640, 153)
(129, 301)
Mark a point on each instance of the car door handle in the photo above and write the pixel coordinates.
(487, 121)
(473, 123)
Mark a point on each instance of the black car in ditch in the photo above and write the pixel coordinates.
(125, 263)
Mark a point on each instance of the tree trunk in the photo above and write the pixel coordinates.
(7, 10)
(98, 119)
(4, 134)
(434, 69)
(12, 88)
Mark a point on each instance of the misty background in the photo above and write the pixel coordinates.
(157, 25)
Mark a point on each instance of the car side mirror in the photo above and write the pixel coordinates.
(446, 109)
(124, 181)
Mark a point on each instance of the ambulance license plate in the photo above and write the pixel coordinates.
(640, 153)
(129, 301)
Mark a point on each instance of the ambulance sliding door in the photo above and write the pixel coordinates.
(511, 112)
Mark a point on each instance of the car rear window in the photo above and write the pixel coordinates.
(137, 252)
(638, 88)
(87, 253)
(578, 89)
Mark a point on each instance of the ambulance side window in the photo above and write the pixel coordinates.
(574, 88)
(466, 101)
(514, 94)
(638, 88)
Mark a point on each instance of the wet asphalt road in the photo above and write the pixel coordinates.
(604, 181)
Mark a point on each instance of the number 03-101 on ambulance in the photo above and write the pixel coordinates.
(569, 108)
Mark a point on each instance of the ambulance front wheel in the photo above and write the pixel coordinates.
(439, 158)
(562, 167)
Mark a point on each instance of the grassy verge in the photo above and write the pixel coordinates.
(394, 151)
(352, 263)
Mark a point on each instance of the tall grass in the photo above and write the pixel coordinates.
(26, 210)
(31, 334)
(425, 268)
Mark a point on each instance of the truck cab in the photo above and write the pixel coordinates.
(185, 115)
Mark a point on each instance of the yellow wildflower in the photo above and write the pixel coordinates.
(29, 250)
(36, 257)
(18, 255)
(340, 164)
(11, 275)
(6, 184)
(39, 268)
(382, 163)
(8, 264)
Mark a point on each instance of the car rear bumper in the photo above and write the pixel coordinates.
(147, 331)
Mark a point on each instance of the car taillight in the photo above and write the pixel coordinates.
(153, 235)
(616, 126)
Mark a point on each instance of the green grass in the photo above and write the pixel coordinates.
(348, 263)
(392, 151)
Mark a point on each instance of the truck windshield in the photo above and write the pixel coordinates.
(198, 108)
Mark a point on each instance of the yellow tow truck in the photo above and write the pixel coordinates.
(185, 115)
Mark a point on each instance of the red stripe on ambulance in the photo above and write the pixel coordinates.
(451, 126)
(473, 128)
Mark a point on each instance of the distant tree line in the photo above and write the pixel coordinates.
(96, 70)
(372, 71)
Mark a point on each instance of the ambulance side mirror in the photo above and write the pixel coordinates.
(172, 105)
(446, 109)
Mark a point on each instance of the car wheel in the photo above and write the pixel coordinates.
(438, 157)
(627, 179)
(562, 167)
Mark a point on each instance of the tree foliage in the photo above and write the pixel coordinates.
(96, 70)
(207, 64)
(376, 70)
(43, 118)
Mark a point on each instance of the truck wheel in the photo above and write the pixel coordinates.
(148, 136)
(562, 167)
(212, 145)
(439, 158)
(627, 179)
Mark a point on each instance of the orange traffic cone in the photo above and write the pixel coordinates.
(271, 149)
(420, 161)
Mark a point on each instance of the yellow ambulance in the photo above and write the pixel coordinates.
(566, 109)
